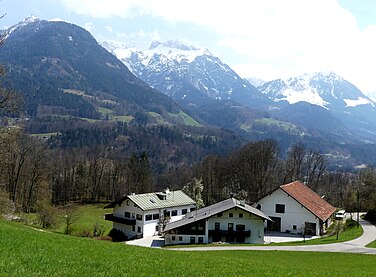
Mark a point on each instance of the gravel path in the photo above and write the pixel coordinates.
(353, 246)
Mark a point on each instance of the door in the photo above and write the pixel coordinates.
(217, 232)
(275, 225)
(310, 229)
(230, 229)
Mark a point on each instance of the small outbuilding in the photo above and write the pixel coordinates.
(230, 220)
(295, 208)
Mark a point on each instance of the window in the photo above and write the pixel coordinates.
(127, 203)
(155, 216)
(166, 213)
(192, 240)
(139, 229)
(184, 211)
(134, 228)
(174, 213)
(240, 215)
(157, 228)
(127, 214)
(139, 217)
(180, 238)
(294, 227)
(200, 240)
(148, 217)
(219, 214)
(193, 209)
(231, 215)
(240, 227)
(217, 226)
(133, 215)
(173, 238)
(230, 227)
(280, 208)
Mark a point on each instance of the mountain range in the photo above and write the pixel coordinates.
(71, 75)
(194, 77)
(189, 74)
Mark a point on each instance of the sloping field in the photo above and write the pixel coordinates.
(29, 252)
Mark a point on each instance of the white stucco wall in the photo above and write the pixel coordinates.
(295, 213)
(253, 223)
(146, 228)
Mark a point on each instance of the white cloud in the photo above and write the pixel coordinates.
(276, 38)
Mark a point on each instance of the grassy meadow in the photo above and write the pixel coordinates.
(88, 215)
(25, 251)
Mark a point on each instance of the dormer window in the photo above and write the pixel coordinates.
(162, 196)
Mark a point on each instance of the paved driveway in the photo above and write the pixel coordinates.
(353, 246)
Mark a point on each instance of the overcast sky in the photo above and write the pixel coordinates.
(267, 39)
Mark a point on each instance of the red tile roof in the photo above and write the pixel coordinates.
(309, 199)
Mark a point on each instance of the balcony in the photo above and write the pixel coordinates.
(245, 233)
(122, 220)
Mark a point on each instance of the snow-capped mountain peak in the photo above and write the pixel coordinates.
(175, 68)
(23, 23)
(325, 89)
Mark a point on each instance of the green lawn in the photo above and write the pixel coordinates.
(105, 111)
(87, 216)
(123, 118)
(28, 252)
(351, 232)
(372, 244)
(186, 119)
(270, 121)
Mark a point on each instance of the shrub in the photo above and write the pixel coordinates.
(84, 233)
(371, 216)
(117, 235)
(46, 214)
(99, 229)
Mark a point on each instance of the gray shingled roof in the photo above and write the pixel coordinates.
(213, 210)
(157, 200)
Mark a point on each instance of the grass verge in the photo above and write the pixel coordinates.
(372, 244)
(28, 252)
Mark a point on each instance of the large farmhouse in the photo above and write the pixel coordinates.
(295, 208)
(145, 215)
(228, 221)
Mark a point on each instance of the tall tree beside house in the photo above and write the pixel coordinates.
(255, 166)
(367, 189)
(295, 163)
(139, 177)
(194, 190)
(315, 167)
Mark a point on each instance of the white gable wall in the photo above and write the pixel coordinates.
(252, 222)
(295, 213)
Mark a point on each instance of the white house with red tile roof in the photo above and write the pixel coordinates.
(295, 208)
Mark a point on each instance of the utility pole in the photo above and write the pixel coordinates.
(357, 208)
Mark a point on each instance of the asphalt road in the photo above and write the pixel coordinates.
(353, 246)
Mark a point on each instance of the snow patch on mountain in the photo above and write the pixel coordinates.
(357, 102)
(256, 82)
(303, 95)
(23, 23)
